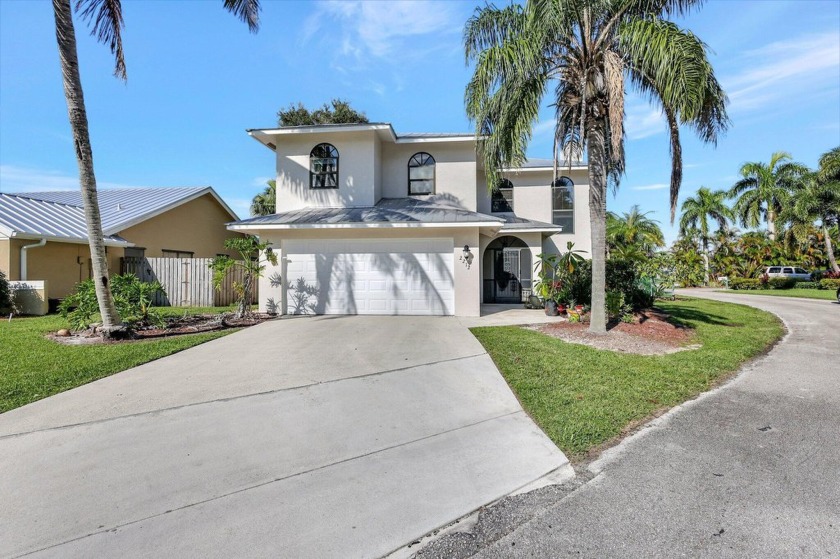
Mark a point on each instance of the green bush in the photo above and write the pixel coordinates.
(5, 298)
(807, 285)
(781, 283)
(132, 297)
(745, 283)
(832, 284)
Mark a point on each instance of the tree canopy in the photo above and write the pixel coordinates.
(338, 112)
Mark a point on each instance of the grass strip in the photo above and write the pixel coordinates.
(33, 367)
(584, 398)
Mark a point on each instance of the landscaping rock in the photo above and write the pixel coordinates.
(63, 333)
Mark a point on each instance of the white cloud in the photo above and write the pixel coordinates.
(379, 28)
(240, 206)
(642, 121)
(785, 69)
(26, 179)
(657, 186)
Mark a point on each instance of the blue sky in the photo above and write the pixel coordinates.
(197, 79)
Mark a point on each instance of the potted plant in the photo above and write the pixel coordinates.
(560, 298)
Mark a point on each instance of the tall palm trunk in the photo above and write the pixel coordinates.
(830, 250)
(771, 224)
(705, 261)
(598, 221)
(65, 34)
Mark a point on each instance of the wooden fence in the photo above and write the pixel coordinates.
(187, 282)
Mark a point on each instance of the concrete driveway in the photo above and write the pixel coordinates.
(309, 437)
(746, 471)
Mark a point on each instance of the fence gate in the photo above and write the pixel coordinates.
(187, 282)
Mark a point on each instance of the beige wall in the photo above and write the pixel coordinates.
(455, 170)
(62, 265)
(5, 249)
(467, 281)
(356, 171)
(197, 226)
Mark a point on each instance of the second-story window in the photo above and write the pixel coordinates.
(421, 174)
(502, 197)
(563, 204)
(323, 166)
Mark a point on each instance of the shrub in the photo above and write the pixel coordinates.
(807, 285)
(830, 283)
(132, 297)
(781, 283)
(5, 298)
(745, 283)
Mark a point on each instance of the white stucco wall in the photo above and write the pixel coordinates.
(532, 200)
(455, 170)
(356, 171)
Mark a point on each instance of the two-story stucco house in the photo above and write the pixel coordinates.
(372, 222)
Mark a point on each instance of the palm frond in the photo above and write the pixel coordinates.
(106, 20)
(246, 10)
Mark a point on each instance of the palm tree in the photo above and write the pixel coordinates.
(764, 189)
(816, 197)
(633, 229)
(696, 213)
(107, 21)
(265, 202)
(588, 50)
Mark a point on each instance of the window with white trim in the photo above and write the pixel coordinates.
(421, 174)
(323, 166)
(563, 204)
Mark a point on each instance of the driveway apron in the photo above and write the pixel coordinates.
(309, 437)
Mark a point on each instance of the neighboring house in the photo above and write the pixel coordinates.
(43, 235)
(371, 222)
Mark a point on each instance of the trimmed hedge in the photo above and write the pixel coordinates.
(830, 284)
(781, 283)
(807, 285)
(745, 283)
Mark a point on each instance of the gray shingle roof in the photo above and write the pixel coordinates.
(32, 217)
(388, 210)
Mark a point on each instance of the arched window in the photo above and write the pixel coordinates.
(421, 174)
(563, 204)
(502, 197)
(323, 166)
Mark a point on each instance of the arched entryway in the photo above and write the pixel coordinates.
(507, 270)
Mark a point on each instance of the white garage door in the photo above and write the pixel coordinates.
(370, 276)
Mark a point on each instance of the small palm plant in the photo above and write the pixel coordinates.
(254, 254)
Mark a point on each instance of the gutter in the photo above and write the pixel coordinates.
(23, 250)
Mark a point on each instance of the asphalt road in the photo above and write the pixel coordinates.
(751, 469)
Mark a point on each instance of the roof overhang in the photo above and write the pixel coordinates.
(543, 169)
(384, 225)
(549, 230)
(71, 240)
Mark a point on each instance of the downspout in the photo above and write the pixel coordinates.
(23, 250)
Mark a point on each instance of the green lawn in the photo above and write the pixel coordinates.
(33, 367)
(583, 397)
(825, 294)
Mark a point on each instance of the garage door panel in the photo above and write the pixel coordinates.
(408, 276)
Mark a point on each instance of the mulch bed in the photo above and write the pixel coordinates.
(174, 326)
(650, 333)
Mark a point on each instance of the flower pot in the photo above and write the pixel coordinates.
(561, 309)
(579, 309)
(551, 308)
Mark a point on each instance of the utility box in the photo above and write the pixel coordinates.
(29, 297)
